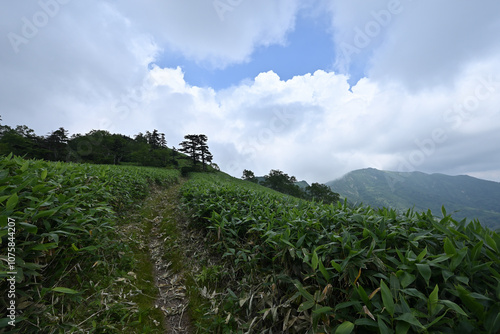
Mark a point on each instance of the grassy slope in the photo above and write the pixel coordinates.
(275, 262)
(73, 246)
(291, 265)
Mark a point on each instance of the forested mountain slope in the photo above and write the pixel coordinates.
(465, 196)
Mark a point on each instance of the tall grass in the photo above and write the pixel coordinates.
(301, 267)
(66, 241)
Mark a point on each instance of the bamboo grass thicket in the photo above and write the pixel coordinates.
(303, 267)
(65, 236)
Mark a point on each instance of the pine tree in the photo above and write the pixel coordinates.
(196, 147)
(204, 153)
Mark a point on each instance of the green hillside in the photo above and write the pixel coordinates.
(149, 251)
(463, 196)
(285, 265)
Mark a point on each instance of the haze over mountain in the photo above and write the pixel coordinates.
(462, 196)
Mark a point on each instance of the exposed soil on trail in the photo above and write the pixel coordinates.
(165, 243)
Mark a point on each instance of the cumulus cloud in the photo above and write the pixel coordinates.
(94, 65)
(214, 33)
(426, 49)
(93, 56)
(317, 128)
(72, 68)
(419, 44)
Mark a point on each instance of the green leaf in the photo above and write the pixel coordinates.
(54, 237)
(454, 307)
(306, 305)
(491, 242)
(30, 228)
(481, 297)
(410, 318)
(446, 274)
(303, 291)
(438, 319)
(387, 298)
(425, 271)
(469, 301)
(458, 258)
(346, 304)
(286, 242)
(336, 266)
(365, 233)
(4, 322)
(362, 293)
(44, 174)
(3, 198)
(345, 328)
(324, 271)
(414, 293)
(433, 300)
(476, 251)
(300, 241)
(45, 246)
(383, 327)
(443, 210)
(25, 166)
(402, 258)
(492, 322)
(89, 248)
(43, 188)
(402, 327)
(314, 260)
(323, 310)
(65, 290)
(45, 213)
(462, 279)
(366, 322)
(394, 284)
(12, 202)
(421, 256)
(406, 279)
(449, 248)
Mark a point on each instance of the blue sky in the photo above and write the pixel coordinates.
(270, 83)
(307, 48)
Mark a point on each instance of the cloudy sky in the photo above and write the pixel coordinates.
(315, 88)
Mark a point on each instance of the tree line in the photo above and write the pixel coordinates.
(144, 149)
(102, 147)
(282, 182)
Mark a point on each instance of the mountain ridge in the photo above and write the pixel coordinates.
(462, 195)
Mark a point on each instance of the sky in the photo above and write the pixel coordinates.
(314, 88)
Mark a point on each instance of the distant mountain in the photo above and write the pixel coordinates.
(302, 184)
(462, 196)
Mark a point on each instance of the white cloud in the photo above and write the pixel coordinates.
(80, 64)
(432, 51)
(90, 67)
(419, 44)
(214, 33)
